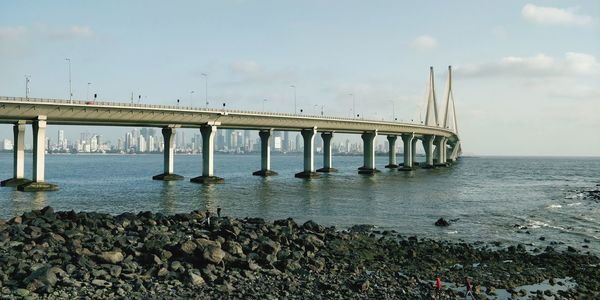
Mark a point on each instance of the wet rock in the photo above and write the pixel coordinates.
(442, 222)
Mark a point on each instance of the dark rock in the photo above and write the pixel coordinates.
(442, 222)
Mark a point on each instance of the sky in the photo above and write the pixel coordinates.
(526, 75)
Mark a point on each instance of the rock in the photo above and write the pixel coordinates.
(442, 222)
(115, 270)
(188, 247)
(312, 226)
(45, 275)
(22, 292)
(101, 283)
(269, 246)
(213, 254)
(196, 279)
(111, 257)
(234, 248)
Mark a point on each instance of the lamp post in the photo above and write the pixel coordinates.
(263, 104)
(191, 103)
(393, 110)
(205, 88)
(70, 90)
(27, 80)
(87, 92)
(353, 104)
(294, 87)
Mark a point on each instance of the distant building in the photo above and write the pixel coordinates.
(7, 144)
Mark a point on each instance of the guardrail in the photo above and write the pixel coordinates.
(202, 109)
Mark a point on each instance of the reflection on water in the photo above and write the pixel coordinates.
(169, 197)
(22, 202)
(209, 196)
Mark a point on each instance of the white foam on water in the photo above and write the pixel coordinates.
(574, 204)
(555, 206)
(452, 232)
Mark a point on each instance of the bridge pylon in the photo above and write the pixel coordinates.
(431, 113)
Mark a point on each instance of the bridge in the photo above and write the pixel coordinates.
(438, 133)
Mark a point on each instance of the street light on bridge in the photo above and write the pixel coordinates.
(353, 104)
(70, 90)
(27, 80)
(294, 87)
(205, 88)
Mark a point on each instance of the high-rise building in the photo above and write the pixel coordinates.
(7, 144)
(141, 144)
(299, 142)
(61, 140)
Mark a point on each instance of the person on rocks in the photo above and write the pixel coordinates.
(218, 212)
(469, 288)
(208, 217)
(438, 285)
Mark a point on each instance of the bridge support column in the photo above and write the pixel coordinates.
(392, 151)
(454, 152)
(327, 160)
(265, 154)
(428, 146)
(368, 153)
(18, 157)
(407, 139)
(441, 151)
(413, 152)
(208, 135)
(39, 159)
(308, 135)
(169, 142)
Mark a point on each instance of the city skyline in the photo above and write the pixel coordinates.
(149, 140)
(525, 75)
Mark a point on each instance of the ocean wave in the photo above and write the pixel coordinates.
(555, 206)
(574, 204)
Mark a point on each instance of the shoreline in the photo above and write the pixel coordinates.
(146, 255)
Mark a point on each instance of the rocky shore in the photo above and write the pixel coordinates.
(47, 254)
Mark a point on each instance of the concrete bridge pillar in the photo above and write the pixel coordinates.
(407, 139)
(327, 160)
(265, 154)
(308, 135)
(169, 151)
(428, 146)
(368, 153)
(39, 159)
(18, 157)
(413, 152)
(455, 149)
(392, 151)
(441, 151)
(208, 135)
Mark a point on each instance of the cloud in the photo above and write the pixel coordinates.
(245, 67)
(12, 32)
(424, 42)
(540, 65)
(554, 16)
(44, 31)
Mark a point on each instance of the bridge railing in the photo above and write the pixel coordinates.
(197, 109)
